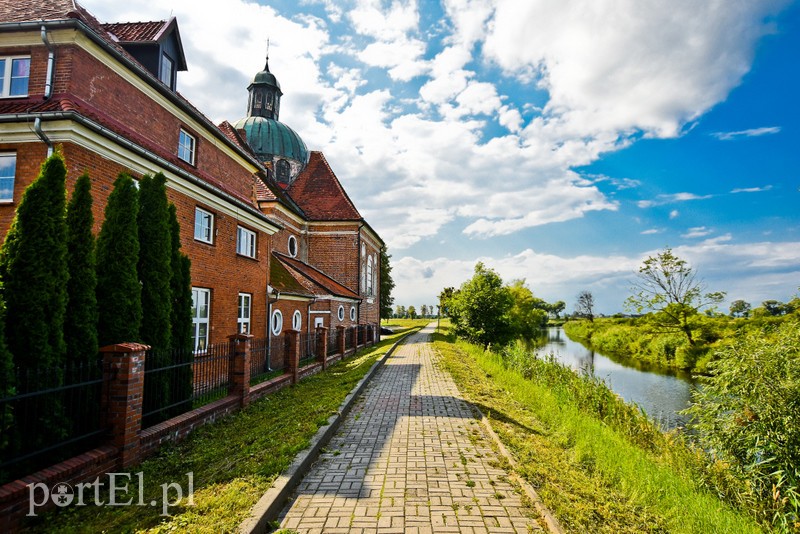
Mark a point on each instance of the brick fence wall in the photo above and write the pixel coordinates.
(128, 444)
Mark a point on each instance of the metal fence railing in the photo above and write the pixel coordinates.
(178, 381)
(308, 348)
(333, 341)
(48, 415)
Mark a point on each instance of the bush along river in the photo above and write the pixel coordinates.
(661, 394)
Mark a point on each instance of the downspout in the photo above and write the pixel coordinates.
(37, 127)
(48, 90)
(51, 58)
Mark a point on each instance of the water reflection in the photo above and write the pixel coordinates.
(660, 394)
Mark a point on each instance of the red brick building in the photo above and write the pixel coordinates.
(275, 241)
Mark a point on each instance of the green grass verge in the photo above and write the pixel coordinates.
(592, 477)
(233, 461)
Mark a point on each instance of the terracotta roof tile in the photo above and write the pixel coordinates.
(285, 282)
(319, 194)
(315, 279)
(136, 31)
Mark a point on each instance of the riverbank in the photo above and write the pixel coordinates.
(596, 462)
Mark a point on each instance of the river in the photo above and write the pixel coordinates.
(661, 394)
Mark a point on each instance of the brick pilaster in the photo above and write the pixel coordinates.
(121, 402)
(322, 346)
(239, 367)
(342, 339)
(293, 354)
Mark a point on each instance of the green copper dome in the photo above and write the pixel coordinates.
(265, 77)
(269, 138)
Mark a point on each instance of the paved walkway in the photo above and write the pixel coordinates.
(410, 457)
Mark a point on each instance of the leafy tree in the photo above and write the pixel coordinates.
(424, 310)
(80, 325)
(525, 317)
(444, 300)
(119, 295)
(740, 308)
(386, 285)
(412, 312)
(667, 285)
(585, 305)
(401, 311)
(479, 309)
(155, 262)
(748, 413)
(774, 308)
(557, 308)
(33, 268)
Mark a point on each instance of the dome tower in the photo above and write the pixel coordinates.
(279, 147)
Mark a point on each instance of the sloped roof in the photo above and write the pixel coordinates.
(314, 279)
(320, 194)
(136, 31)
(285, 282)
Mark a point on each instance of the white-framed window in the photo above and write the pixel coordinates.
(370, 268)
(243, 321)
(352, 313)
(245, 242)
(363, 269)
(297, 320)
(167, 70)
(201, 307)
(276, 325)
(203, 225)
(8, 170)
(15, 71)
(340, 313)
(292, 246)
(186, 146)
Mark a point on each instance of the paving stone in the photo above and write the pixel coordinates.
(402, 459)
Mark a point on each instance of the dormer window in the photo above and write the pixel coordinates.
(167, 74)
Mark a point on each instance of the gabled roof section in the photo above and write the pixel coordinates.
(143, 33)
(320, 195)
(283, 281)
(314, 279)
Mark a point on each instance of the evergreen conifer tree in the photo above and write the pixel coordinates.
(80, 324)
(155, 262)
(118, 291)
(33, 269)
(181, 287)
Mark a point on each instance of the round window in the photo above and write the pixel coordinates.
(277, 322)
(341, 313)
(292, 246)
(297, 320)
(352, 313)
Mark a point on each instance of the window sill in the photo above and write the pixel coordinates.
(251, 258)
(209, 243)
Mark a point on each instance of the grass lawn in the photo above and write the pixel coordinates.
(594, 478)
(233, 461)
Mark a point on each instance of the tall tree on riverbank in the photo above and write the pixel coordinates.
(119, 294)
(585, 305)
(479, 309)
(668, 286)
(80, 325)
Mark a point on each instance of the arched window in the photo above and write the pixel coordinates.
(369, 276)
(363, 269)
(277, 322)
(292, 246)
(340, 313)
(282, 171)
(297, 320)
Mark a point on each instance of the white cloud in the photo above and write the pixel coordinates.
(697, 231)
(652, 231)
(752, 189)
(753, 132)
(661, 200)
(674, 214)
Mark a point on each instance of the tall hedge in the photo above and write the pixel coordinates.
(80, 325)
(181, 288)
(33, 269)
(155, 262)
(119, 298)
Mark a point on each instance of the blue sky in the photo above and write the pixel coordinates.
(559, 142)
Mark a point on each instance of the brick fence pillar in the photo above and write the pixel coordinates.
(239, 367)
(322, 346)
(121, 401)
(342, 339)
(293, 354)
